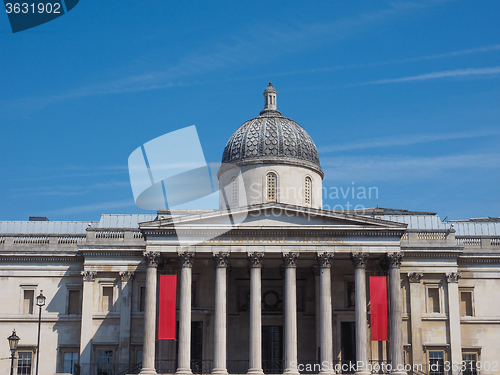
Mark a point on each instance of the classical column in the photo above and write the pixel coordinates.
(221, 261)
(396, 305)
(325, 301)
(290, 260)
(454, 319)
(87, 312)
(186, 259)
(148, 347)
(125, 316)
(359, 261)
(255, 365)
(317, 310)
(417, 352)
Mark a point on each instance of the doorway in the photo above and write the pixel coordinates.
(272, 349)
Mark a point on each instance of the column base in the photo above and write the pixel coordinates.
(183, 371)
(219, 371)
(255, 371)
(399, 372)
(289, 371)
(362, 372)
(326, 373)
(148, 371)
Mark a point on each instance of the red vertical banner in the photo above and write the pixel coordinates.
(378, 302)
(166, 314)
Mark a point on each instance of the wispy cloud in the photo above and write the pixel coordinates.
(98, 207)
(443, 74)
(248, 47)
(67, 190)
(396, 167)
(407, 140)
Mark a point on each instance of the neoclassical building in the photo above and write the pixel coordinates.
(269, 283)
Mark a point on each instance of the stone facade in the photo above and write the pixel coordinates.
(284, 291)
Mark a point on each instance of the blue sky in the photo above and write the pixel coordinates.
(403, 96)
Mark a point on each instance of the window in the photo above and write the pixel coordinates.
(107, 298)
(104, 362)
(142, 298)
(234, 191)
(436, 363)
(29, 296)
(433, 305)
(271, 187)
(307, 191)
(469, 361)
(70, 360)
(138, 357)
(466, 303)
(74, 305)
(24, 363)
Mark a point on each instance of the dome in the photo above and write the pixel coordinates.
(271, 138)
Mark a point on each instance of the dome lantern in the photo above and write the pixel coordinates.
(270, 99)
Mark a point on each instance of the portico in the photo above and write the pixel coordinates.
(328, 242)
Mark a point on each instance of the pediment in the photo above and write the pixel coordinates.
(274, 216)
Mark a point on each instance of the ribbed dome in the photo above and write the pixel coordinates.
(271, 138)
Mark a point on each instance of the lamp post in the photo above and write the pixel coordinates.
(40, 301)
(13, 340)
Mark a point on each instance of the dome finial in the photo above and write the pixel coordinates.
(270, 98)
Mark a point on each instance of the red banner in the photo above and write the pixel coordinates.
(166, 315)
(378, 301)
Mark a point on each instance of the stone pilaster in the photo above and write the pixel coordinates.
(417, 352)
(454, 318)
(87, 312)
(125, 316)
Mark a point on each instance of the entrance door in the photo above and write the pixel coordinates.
(348, 342)
(272, 349)
(197, 365)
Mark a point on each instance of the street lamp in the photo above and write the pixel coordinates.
(13, 340)
(40, 301)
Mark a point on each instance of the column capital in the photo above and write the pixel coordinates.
(186, 259)
(359, 260)
(394, 259)
(221, 259)
(453, 277)
(126, 275)
(290, 259)
(88, 275)
(152, 258)
(414, 277)
(255, 259)
(324, 259)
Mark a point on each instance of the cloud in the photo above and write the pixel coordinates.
(397, 167)
(66, 190)
(98, 207)
(258, 41)
(406, 140)
(436, 75)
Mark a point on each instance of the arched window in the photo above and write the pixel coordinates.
(307, 191)
(271, 187)
(234, 191)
